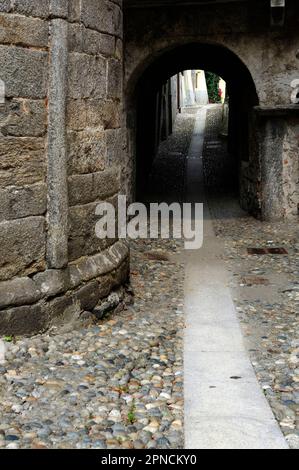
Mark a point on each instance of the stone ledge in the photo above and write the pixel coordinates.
(98, 265)
(50, 283)
(277, 111)
(25, 320)
(21, 291)
(28, 320)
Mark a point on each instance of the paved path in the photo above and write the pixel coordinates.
(224, 404)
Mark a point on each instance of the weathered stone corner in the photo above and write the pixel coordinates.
(31, 305)
(60, 140)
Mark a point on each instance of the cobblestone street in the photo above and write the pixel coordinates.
(118, 383)
(266, 291)
(265, 288)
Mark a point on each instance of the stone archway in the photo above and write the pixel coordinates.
(243, 98)
(270, 56)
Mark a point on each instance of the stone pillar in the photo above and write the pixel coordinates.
(271, 169)
(278, 154)
(57, 241)
(201, 90)
(189, 88)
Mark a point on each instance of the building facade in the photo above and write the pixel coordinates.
(68, 129)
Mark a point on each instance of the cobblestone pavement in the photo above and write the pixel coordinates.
(168, 175)
(117, 384)
(266, 293)
(220, 168)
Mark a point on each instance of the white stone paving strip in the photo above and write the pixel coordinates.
(224, 405)
(2, 352)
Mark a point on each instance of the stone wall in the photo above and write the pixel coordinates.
(61, 142)
(271, 58)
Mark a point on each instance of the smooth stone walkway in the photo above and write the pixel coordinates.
(225, 407)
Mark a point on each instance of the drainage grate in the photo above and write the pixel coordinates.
(257, 251)
(277, 251)
(267, 251)
(157, 256)
(255, 281)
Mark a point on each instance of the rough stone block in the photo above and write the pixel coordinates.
(22, 247)
(89, 296)
(103, 16)
(105, 285)
(16, 29)
(82, 238)
(38, 8)
(52, 282)
(22, 161)
(20, 202)
(76, 115)
(86, 76)
(59, 9)
(20, 291)
(81, 189)
(106, 114)
(115, 78)
(63, 310)
(75, 275)
(87, 151)
(74, 10)
(84, 189)
(83, 40)
(93, 113)
(24, 72)
(23, 118)
(122, 274)
(83, 270)
(112, 258)
(95, 43)
(104, 308)
(75, 37)
(115, 146)
(25, 320)
(119, 49)
(97, 266)
(5, 5)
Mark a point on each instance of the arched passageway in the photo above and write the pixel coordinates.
(213, 348)
(213, 342)
(242, 99)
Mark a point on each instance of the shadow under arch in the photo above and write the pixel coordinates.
(148, 79)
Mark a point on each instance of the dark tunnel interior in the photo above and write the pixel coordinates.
(218, 59)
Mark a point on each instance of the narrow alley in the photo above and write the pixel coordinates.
(121, 382)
